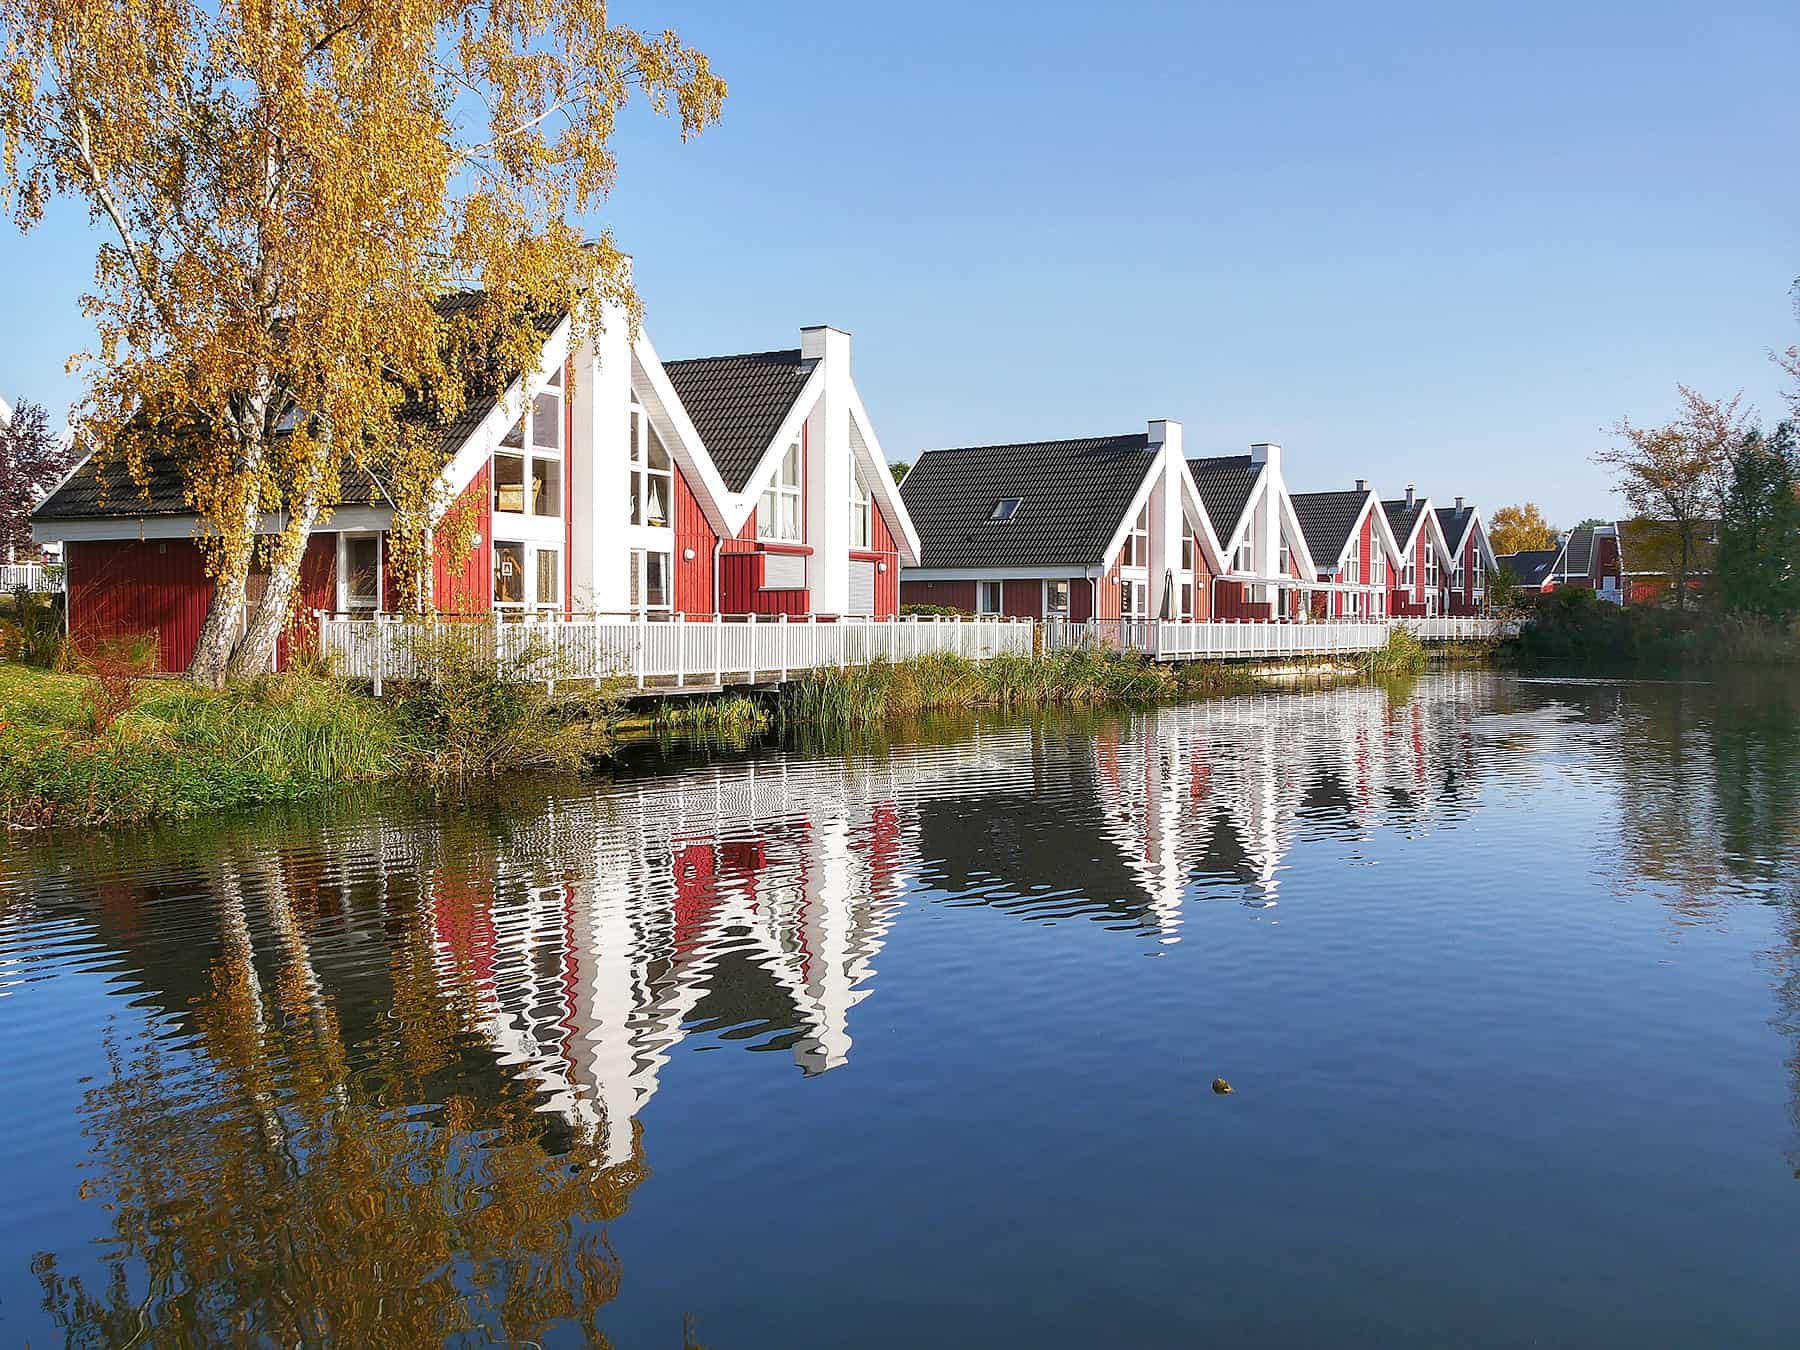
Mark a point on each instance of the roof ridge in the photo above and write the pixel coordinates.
(1134, 438)
(735, 356)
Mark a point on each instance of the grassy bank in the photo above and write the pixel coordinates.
(82, 749)
(1573, 630)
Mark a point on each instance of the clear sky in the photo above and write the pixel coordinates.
(1431, 243)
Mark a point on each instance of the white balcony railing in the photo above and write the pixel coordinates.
(35, 577)
(736, 649)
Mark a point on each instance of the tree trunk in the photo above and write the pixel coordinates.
(255, 651)
(225, 614)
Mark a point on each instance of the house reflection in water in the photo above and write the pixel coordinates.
(750, 900)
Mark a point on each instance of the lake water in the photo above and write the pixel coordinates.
(913, 1044)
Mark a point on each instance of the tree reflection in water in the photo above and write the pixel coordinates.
(269, 1193)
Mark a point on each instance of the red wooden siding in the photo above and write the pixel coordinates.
(1109, 607)
(123, 588)
(1022, 599)
(317, 590)
(951, 594)
(887, 584)
(465, 585)
(693, 578)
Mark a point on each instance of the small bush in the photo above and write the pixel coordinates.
(34, 633)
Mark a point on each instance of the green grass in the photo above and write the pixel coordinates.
(179, 751)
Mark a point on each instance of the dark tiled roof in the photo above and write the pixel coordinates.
(737, 404)
(1531, 567)
(108, 491)
(1073, 496)
(1578, 552)
(1326, 519)
(1453, 521)
(1402, 518)
(1225, 483)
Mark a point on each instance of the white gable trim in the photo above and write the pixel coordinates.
(1299, 555)
(1131, 512)
(880, 481)
(1229, 546)
(472, 455)
(1209, 535)
(744, 503)
(650, 382)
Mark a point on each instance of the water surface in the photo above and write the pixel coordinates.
(913, 1043)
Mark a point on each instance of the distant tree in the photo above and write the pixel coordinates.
(1592, 522)
(1758, 568)
(32, 458)
(899, 468)
(1790, 360)
(1517, 529)
(1503, 588)
(1674, 473)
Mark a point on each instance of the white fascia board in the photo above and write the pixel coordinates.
(1382, 528)
(139, 528)
(1131, 512)
(1068, 572)
(1296, 537)
(1429, 519)
(881, 481)
(744, 504)
(650, 382)
(1209, 537)
(469, 457)
(1479, 526)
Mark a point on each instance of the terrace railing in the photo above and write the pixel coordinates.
(653, 653)
(34, 577)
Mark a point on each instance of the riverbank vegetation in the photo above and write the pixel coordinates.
(104, 745)
(1572, 629)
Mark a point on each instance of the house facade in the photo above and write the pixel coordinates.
(1422, 584)
(1267, 566)
(1353, 550)
(1104, 528)
(601, 482)
(1472, 558)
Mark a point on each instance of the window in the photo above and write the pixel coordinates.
(1137, 543)
(778, 512)
(362, 571)
(1285, 559)
(861, 512)
(1135, 602)
(509, 573)
(1353, 577)
(1431, 570)
(1378, 568)
(1242, 561)
(549, 578)
(1056, 599)
(1005, 509)
(1479, 575)
(1190, 547)
(528, 465)
(1187, 599)
(1456, 576)
(987, 597)
(649, 582)
(652, 473)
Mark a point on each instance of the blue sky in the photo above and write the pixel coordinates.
(1431, 243)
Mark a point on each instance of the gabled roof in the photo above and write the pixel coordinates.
(1531, 567)
(1578, 552)
(1225, 484)
(738, 403)
(1454, 521)
(102, 487)
(1404, 519)
(1073, 496)
(1328, 519)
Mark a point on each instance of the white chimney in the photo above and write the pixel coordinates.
(1266, 452)
(1409, 494)
(1459, 505)
(1362, 485)
(821, 339)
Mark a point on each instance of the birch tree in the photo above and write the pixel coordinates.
(286, 188)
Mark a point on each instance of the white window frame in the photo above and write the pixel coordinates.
(643, 474)
(1137, 541)
(638, 560)
(1244, 560)
(1190, 546)
(1068, 594)
(346, 604)
(982, 605)
(862, 512)
(781, 489)
(1353, 577)
(530, 452)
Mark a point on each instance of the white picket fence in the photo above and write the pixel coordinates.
(1224, 640)
(30, 577)
(737, 649)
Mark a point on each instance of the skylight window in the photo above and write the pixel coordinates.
(1005, 509)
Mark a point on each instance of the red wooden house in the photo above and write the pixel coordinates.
(1353, 551)
(1472, 558)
